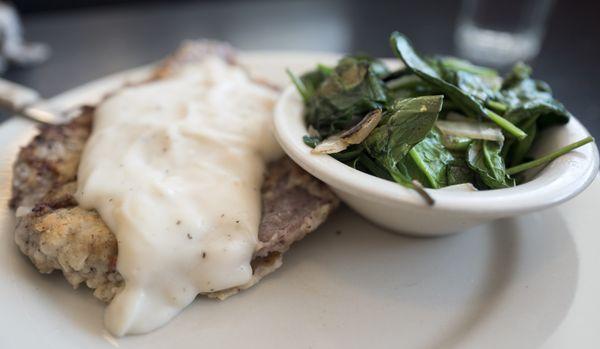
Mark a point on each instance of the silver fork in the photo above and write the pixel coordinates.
(28, 103)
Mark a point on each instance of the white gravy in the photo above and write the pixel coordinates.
(175, 167)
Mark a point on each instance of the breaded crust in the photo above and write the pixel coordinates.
(57, 234)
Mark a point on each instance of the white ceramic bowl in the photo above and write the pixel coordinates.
(402, 210)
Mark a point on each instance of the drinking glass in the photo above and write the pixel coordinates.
(501, 32)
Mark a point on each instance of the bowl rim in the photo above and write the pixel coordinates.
(560, 180)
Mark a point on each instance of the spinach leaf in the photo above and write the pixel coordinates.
(430, 158)
(519, 150)
(411, 171)
(459, 172)
(378, 68)
(484, 158)
(404, 50)
(324, 69)
(311, 141)
(367, 164)
(308, 83)
(345, 96)
(546, 112)
(480, 82)
(475, 86)
(407, 123)
(467, 103)
(518, 73)
(528, 99)
(408, 85)
(312, 80)
(349, 154)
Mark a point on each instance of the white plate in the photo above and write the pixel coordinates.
(349, 284)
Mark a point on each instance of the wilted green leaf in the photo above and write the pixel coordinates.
(430, 159)
(527, 99)
(407, 123)
(342, 98)
(467, 103)
(484, 158)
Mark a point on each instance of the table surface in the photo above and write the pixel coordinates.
(92, 42)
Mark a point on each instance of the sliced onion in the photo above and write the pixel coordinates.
(471, 129)
(355, 135)
(360, 131)
(330, 145)
(454, 116)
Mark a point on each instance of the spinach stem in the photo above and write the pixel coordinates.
(407, 81)
(459, 64)
(498, 107)
(324, 69)
(421, 165)
(506, 125)
(299, 85)
(548, 157)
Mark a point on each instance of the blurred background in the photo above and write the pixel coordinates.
(92, 38)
